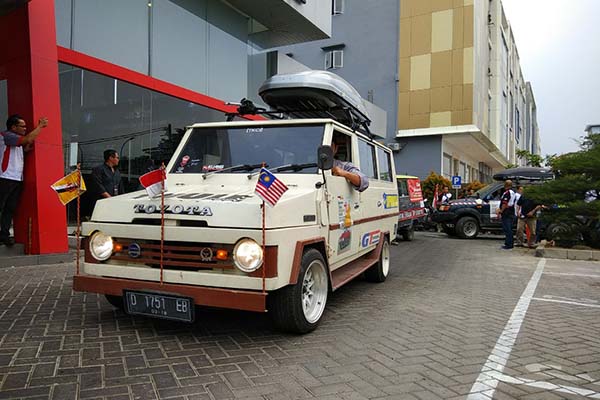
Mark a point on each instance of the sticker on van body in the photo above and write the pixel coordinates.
(390, 200)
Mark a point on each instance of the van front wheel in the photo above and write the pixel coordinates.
(298, 308)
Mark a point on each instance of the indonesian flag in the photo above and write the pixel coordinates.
(154, 181)
(269, 188)
(435, 197)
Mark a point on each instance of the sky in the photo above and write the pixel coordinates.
(559, 48)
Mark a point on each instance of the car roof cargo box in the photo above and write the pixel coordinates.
(316, 94)
(525, 174)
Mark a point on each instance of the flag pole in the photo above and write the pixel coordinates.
(264, 266)
(77, 231)
(162, 218)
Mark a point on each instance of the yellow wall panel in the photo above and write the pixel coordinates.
(440, 5)
(468, 26)
(420, 102)
(467, 117)
(420, 7)
(468, 2)
(441, 30)
(441, 99)
(404, 74)
(420, 35)
(441, 69)
(457, 3)
(420, 72)
(440, 119)
(457, 28)
(468, 65)
(419, 121)
(403, 110)
(457, 118)
(457, 67)
(406, 8)
(468, 97)
(405, 29)
(457, 97)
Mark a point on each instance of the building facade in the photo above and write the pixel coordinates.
(448, 74)
(131, 75)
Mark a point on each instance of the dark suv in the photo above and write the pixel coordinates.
(467, 217)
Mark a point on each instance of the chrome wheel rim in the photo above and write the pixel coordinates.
(314, 291)
(385, 258)
(470, 228)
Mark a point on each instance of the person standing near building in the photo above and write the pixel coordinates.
(106, 176)
(507, 212)
(528, 210)
(13, 144)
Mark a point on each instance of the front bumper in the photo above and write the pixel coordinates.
(205, 296)
(443, 217)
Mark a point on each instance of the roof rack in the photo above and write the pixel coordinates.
(310, 94)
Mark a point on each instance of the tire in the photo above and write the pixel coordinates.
(378, 273)
(409, 234)
(467, 228)
(298, 308)
(115, 301)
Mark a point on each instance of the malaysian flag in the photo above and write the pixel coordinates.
(269, 188)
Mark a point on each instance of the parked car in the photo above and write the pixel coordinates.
(467, 217)
(412, 207)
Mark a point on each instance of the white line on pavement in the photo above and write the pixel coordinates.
(567, 274)
(568, 302)
(485, 385)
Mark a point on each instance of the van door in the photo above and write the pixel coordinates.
(344, 210)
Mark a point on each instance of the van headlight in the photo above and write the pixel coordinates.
(101, 246)
(247, 255)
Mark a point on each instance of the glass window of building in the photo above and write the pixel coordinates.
(447, 166)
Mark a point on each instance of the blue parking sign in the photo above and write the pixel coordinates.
(456, 182)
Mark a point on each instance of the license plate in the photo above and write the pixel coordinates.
(159, 305)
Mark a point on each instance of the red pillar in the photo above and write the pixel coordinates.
(29, 63)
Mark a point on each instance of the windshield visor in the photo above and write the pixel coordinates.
(214, 149)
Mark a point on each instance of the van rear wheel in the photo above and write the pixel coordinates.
(378, 273)
(298, 308)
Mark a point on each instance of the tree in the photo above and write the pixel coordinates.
(573, 196)
(428, 185)
(533, 160)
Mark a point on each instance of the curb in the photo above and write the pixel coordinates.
(567, 254)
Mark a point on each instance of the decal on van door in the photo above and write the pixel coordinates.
(390, 200)
(344, 217)
(370, 238)
(344, 241)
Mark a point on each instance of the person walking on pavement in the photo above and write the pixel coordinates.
(507, 212)
(527, 217)
(14, 142)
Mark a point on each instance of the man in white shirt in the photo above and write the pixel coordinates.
(13, 144)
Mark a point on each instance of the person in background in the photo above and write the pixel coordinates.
(14, 142)
(346, 169)
(106, 177)
(507, 212)
(527, 217)
(446, 196)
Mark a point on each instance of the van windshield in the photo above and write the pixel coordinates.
(217, 148)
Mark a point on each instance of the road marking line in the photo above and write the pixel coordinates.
(544, 385)
(567, 274)
(487, 381)
(568, 302)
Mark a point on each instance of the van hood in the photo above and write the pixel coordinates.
(212, 204)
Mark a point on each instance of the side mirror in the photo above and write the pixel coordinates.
(325, 157)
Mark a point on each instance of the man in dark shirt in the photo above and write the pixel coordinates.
(507, 210)
(106, 177)
(527, 217)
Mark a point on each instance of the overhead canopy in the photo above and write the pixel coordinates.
(315, 94)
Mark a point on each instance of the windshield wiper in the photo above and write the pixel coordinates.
(239, 167)
(294, 167)
(287, 167)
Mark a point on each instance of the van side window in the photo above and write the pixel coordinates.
(384, 165)
(366, 155)
(344, 152)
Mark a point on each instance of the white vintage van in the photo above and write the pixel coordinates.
(216, 248)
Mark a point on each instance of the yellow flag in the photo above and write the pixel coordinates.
(68, 188)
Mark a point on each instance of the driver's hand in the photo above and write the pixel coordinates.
(337, 171)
